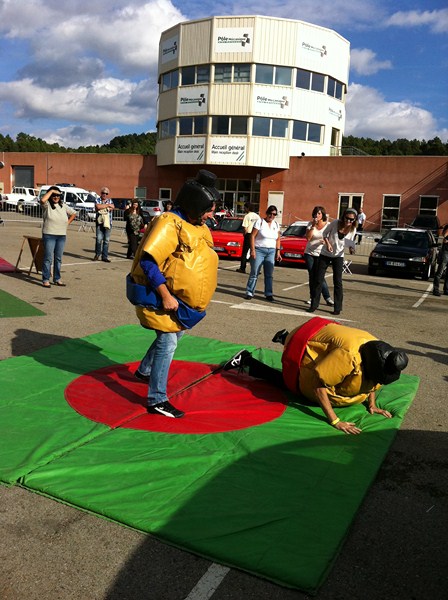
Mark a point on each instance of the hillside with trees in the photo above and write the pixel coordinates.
(145, 143)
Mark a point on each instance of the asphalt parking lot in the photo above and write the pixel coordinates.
(397, 546)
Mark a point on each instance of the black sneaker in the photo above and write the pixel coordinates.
(436, 293)
(237, 361)
(280, 336)
(166, 409)
(270, 298)
(140, 376)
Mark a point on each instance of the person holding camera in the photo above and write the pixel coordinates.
(57, 216)
(442, 265)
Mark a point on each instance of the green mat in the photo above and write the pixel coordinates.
(10, 306)
(275, 500)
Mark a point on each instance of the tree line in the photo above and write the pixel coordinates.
(145, 144)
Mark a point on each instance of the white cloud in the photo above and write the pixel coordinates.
(370, 115)
(364, 62)
(437, 20)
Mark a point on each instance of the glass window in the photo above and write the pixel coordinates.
(241, 73)
(279, 128)
(231, 185)
(220, 125)
(428, 205)
(283, 75)
(264, 74)
(200, 125)
(185, 126)
(339, 90)
(223, 73)
(188, 75)
(167, 128)
(391, 212)
(303, 79)
(239, 126)
(318, 82)
(244, 185)
(331, 86)
(299, 130)
(203, 74)
(260, 126)
(314, 131)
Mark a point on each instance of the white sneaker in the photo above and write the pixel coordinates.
(329, 302)
(308, 302)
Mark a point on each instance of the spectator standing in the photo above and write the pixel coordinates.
(103, 207)
(168, 206)
(175, 264)
(361, 219)
(337, 235)
(264, 251)
(314, 235)
(135, 222)
(442, 261)
(250, 218)
(56, 218)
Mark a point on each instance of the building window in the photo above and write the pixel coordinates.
(428, 205)
(222, 125)
(192, 125)
(195, 75)
(165, 193)
(279, 128)
(318, 82)
(283, 76)
(167, 129)
(266, 127)
(203, 74)
(334, 88)
(303, 79)
(169, 80)
(264, 74)
(237, 192)
(391, 212)
(223, 73)
(241, 73)
(307, 132)
(261, 126)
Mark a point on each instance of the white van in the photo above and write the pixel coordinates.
(81, 200)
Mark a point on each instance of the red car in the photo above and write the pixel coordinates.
(292, 244)
(228, 237)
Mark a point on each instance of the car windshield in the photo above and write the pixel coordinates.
(298, 230)
(412, 239)
(231, 225)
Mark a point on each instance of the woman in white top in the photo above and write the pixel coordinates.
(264, 251)
(314, 234)
(56, 218)
(337, 235)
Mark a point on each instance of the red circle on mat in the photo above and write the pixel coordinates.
(212, 403)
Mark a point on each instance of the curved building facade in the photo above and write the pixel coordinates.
(250, 91)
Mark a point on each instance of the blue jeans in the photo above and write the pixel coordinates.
(53, 248)
(311, 265)
(264, 257)
(156, 364)
(102, 241)
(442, 265)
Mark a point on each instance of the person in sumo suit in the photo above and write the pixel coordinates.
(172, 280)
(332, 365)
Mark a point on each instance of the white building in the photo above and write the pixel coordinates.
(250, 91)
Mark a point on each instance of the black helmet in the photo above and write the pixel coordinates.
(382, 363)
(197, 196)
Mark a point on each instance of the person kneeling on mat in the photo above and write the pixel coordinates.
(331, 364)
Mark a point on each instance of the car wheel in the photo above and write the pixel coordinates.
(371, 271)
(427, 273)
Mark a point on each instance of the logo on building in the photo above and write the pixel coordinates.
(322, 50)
(335, 113)
(278, 102)
(242, 41)
(234, 39)
(196, 100)
(170, 50)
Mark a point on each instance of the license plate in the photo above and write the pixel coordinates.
(218, 249)
(395, 263)
(292, 255)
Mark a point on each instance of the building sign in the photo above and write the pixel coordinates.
(273, 102)
(234, 39)
(169, 49)
(227, 150)
(322, 50)
(192, 100)
(190, 150)
(337, 114)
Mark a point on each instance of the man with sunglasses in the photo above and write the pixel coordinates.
(103, 207)
(337, 236)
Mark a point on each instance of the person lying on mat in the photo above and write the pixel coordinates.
(332, 365)
(172, 280)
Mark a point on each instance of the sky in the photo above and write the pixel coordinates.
(82, 72)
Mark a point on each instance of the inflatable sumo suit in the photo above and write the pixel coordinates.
(184, 254)
(350, 363)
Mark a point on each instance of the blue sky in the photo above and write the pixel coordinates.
(84, 71)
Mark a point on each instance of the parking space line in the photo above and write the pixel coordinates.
(423, 297)
(285, 311)
(209, 582)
